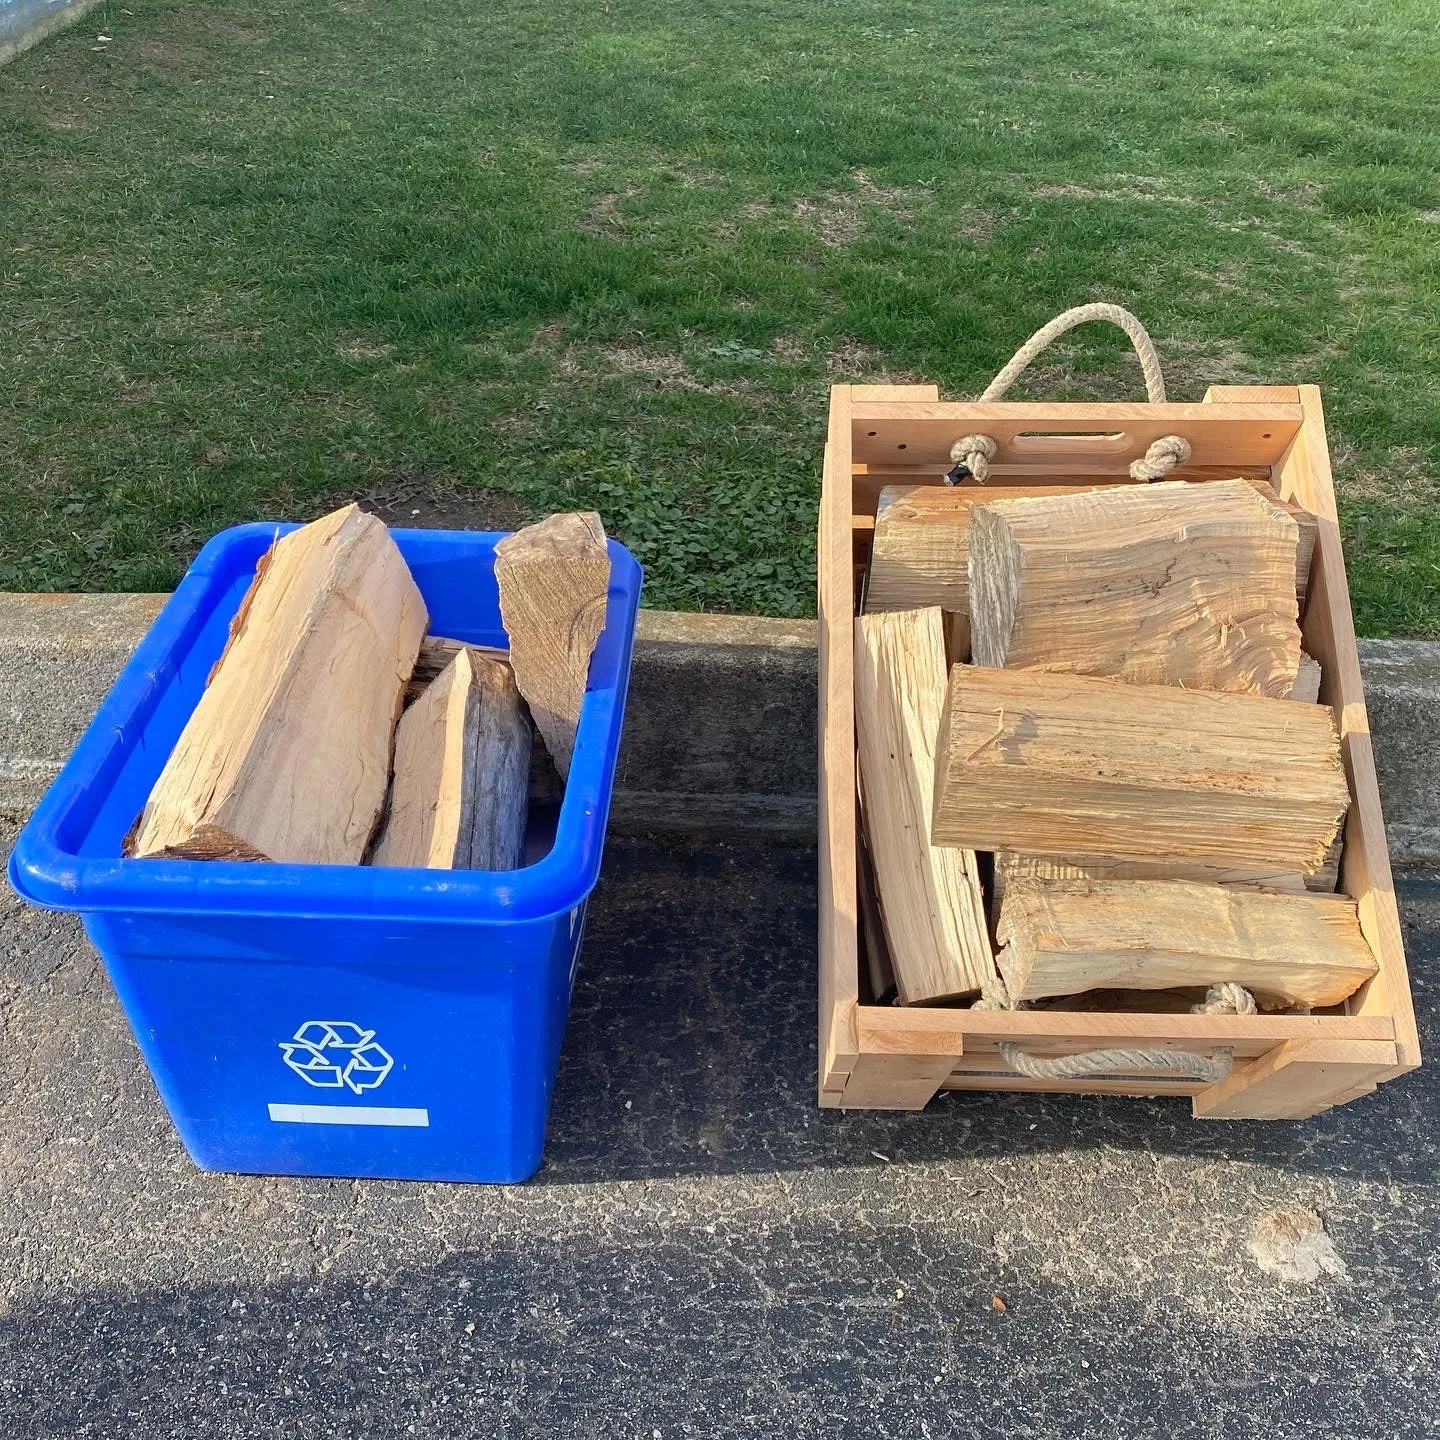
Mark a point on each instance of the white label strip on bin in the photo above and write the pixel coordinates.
(348, 1115)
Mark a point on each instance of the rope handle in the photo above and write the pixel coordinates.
(972, 454)
(1145, 350)
(1089, 1063)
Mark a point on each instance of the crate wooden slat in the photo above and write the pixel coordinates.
(1286, 1066)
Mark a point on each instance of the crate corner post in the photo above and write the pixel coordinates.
(906, 1057)
(1298, 1079)
(1304, 474)
(839, 956)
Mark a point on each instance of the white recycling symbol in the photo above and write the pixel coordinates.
(335, 1053)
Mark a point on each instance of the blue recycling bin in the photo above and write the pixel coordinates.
(332, 1019)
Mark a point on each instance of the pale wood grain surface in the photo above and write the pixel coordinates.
(432, 793)
(1169, 584)
(838, 948)
(554, 577)
(1061, 937)
(436, 652)
(930, 897)
(1071, 765)
(1307, 680)
(501, 760)
(1059, 1032)
(1304, 476)
(1009, 865)
(921, 548)
(1299, 1079)
(921, 554)
(1071, 438)
(287, 754)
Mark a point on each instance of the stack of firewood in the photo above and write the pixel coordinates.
(1093, 769)
(335, 730)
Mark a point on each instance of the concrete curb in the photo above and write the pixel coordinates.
(1402, 695)
(31, 21)
(721, 727)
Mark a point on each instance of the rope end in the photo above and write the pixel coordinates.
(972, 455)
(1161, 458)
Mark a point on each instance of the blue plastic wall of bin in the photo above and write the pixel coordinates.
(332, 1019)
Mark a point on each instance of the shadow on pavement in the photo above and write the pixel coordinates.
(691, 1050)
(705, 1252)
(797, 1331)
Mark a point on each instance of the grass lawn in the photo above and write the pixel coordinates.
(481, 261)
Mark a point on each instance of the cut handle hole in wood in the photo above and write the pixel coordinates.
(1058, 442)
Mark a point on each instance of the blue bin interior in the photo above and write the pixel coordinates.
(69, 855)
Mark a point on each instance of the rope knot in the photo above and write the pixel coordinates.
(993, 996)
(974, 453)
(1226, 998)
(1161, 458)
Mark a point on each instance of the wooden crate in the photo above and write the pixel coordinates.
(896, 1058)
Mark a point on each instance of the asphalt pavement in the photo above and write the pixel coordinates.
(705, 1252)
